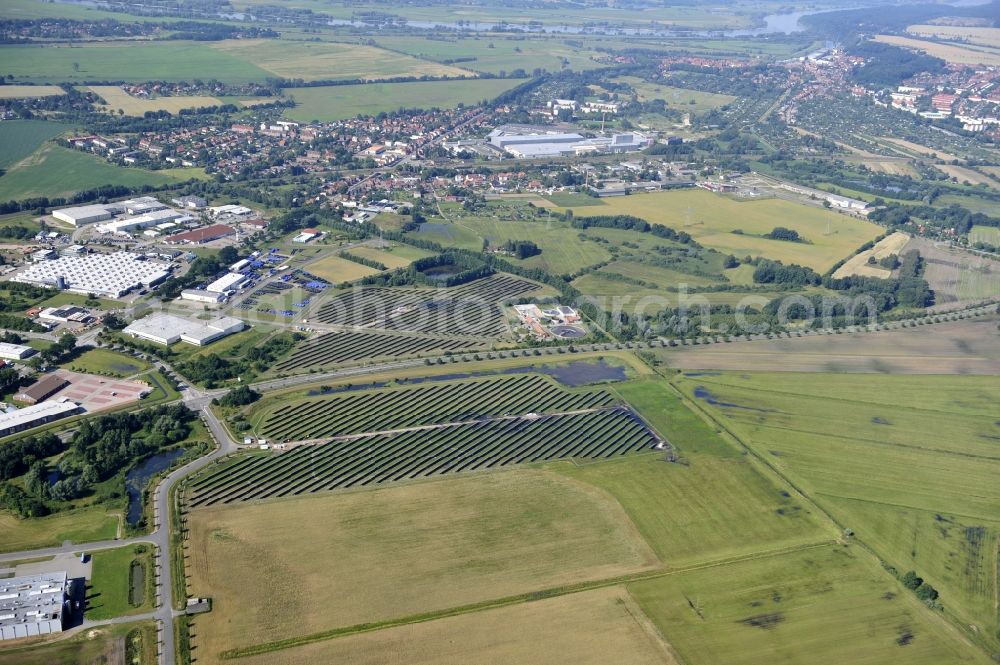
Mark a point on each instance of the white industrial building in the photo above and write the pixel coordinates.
(14, 351)
(142, 221)
(167, 329)
(230, 210)
(19, 420)
(105, 275)
(33, 605)
(228, 281)
(89, 214)
(199, 295)
(81, 215)
(528, 142)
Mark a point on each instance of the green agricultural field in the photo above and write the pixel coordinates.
(80, 525)
(682, 99)
(495, 53)
(57, 171)
(108, 363)
(20, 138)
(330, 103)
(449, 235)
(323, 61)
(116, 589)
(145, 61)
(987, 234)
(828, 604)
(711, 220)
(394, 256)
(910, 468)
(390, 553)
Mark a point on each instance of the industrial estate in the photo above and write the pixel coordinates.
(537, 333)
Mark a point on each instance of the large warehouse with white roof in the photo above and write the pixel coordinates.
(105, 275)
(166, 329)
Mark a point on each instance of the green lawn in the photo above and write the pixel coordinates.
(910, 467)
(330, 103)
(573, 200)
(830, 604)
(397, 256)
(80, 526)
(57, 171)
(108, 363)
(20, 138)
(65, 298)
(111, 592)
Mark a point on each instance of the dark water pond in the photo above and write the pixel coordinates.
(138, 477)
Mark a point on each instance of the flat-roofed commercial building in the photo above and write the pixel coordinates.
(202, 235)
(167, 329)
(10, 351)
(81, 215)
(41, 390)
(20, 420)
(33, 605)
(105, 275)
(226, 282)
(200, 295)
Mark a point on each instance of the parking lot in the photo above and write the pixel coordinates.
(96, 393)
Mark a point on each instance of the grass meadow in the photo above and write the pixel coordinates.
(911, 468)
(395, 256)
(679, 98)
(987, 234)
(711, 220)
(829, 604)
(26, 91)
(338, 102)
(108, 363)
(108, 592)
(91, 647)
(335, 269)
(80, 525)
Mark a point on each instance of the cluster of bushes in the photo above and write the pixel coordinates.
(923, 590)
(240, 396)
(522, 249)
(212, 369)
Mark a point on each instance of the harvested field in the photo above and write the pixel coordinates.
(955, 275)
(344, 347)
(395, 552)
(988, 234)
(322, 61)
(973, 35)
(595, 627)
(858, 264)
(426, 404)
(951, 53)
(336, 269)
(363, 460)
(28, 91)
(116, 98)
(960, 347)
(964, 174)
(909, 147)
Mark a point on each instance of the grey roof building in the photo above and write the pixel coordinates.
(32, 605)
